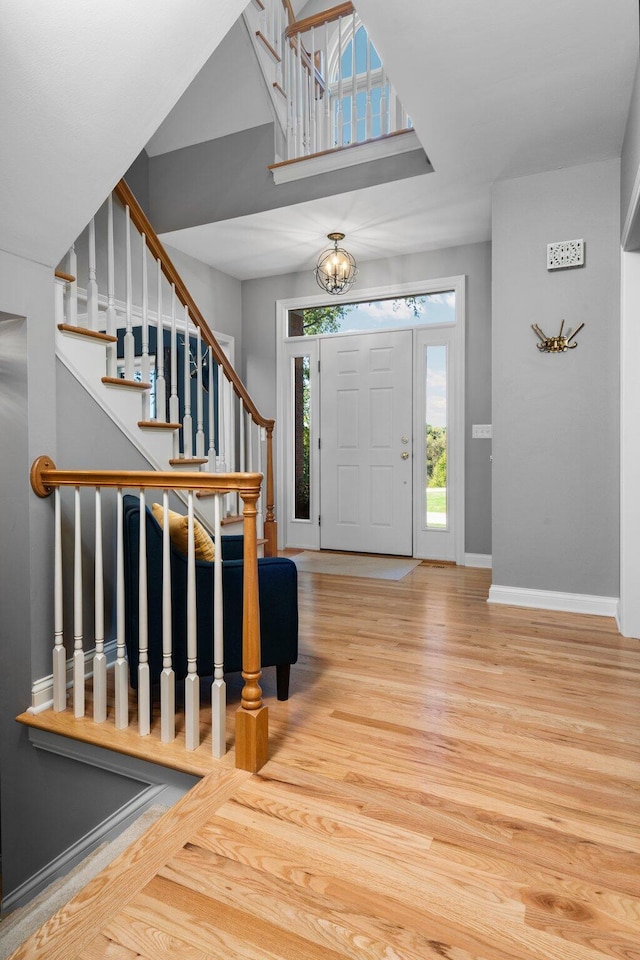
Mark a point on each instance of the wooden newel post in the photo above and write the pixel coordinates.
(252, 729)
(270, 525)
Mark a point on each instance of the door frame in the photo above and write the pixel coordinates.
(307, 531)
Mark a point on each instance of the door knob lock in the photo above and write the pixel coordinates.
(404, 439)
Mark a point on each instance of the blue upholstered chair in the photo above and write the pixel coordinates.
(278, 591)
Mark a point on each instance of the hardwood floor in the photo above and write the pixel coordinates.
(448, 779)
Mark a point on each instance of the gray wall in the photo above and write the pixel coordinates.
(473, 260)
(229, 177)
(556, 418)
(47, 802)
(217, 295)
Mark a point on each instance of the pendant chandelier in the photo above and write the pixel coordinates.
(336, 269)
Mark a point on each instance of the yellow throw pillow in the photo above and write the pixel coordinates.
(179, 533)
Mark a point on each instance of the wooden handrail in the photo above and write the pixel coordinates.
(139, 218)
(45, 477)
(318, 19)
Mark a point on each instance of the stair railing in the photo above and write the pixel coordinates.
(109, 594)
(186, 381)
(337, 89)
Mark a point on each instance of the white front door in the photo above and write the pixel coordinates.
(366, 470)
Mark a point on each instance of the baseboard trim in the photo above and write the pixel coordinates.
(77, 852)
(42, 689)
(483, 560)
(552, 600)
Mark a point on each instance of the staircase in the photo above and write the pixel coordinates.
(129, 331)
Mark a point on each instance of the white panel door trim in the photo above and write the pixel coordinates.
(283, 448)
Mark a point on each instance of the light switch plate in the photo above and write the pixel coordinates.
(481, 431)
(567, 253)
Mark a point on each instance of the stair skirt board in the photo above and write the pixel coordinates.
(480, 560)
(552, 600)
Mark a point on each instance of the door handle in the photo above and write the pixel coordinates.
(404, 455)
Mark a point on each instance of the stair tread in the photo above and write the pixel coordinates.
(180, 461)
(129, 384)
(87, 333)
(158, 425)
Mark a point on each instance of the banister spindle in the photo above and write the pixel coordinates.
(161, 385)
(326, 143)
(383, 104)
(145, 361)
(187, 421)
(167, 677)
(218, 687)
(78, 651)
(299, 99)
(129, 343)
(211, 455)
(92, 283)
(72, 287)
(144, 679)
(192, 682)
(174, 405)
(368, 126)
(270, 527)
(199, 397)
(111, 292)
(59, 654)
(312, 95)
(339, 135)
(354, 107)
(121, 668)
(260, 519)
(99, 659)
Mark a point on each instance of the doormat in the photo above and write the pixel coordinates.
(354, 565)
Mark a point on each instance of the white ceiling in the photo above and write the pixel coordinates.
(496, 90)
(83, 87)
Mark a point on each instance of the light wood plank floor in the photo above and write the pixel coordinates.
(448, 779)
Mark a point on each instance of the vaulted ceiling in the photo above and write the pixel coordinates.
(495, 90)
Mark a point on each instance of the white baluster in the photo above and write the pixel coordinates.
(221, 443)
(383, 105)
(290, 87)
(368, 126)
(192, 682)
(78, 652)
(339, 134)
(218, 688)
(99, 659)
(243, 445)
(199, 398)
(59, 654)
(145, 362)
(161, 386)
(72, 287)
(312, 95)
(167, 677)
(59, 287)
(327, 141)
(211, 466)
(174, 405)
(249, 434)
(129, 343)
(299, 100)
(144, 679)
(354, 105)
(92, 284)
(111, 325)
(121, 668)
(187, 421)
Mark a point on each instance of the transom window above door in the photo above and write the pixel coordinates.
(412, 311)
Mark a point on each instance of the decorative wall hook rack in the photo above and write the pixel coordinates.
(558, 344)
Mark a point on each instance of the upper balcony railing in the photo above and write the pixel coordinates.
(336, 87)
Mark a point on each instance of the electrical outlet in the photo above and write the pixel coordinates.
(481, 431)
